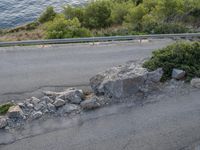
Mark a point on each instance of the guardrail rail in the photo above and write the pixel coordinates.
(100, 39)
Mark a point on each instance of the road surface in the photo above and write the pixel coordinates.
(26, 69)
(170, 123)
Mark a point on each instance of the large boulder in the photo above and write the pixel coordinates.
(125, 80)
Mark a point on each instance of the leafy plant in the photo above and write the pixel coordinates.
(48, 15)
(97, 14)
(4, 108)
(65, 28)
(182, 55)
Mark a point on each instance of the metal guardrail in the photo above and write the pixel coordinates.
(100, 39)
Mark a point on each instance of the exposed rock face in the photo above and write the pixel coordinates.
(126, 80)
(15, 112)
(195, 83)
(178, 74)
(3, 122)
(90, 103)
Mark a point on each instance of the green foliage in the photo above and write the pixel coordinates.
(4, 108)
(135, 16)
(48, 15)
(74, 12)
(166, 28)
(63, 28)
(120, 10)
(97, 14)
(183, 55)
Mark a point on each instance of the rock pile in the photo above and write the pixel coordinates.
(114, 84)
(126, 80)
(59, 103)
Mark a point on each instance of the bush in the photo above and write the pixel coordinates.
(4, 108)
(183, 55)
(166, 28)
(48, 15)
(74, 12)
(135, 16)
(97, 14)
(119, 11)
(65, 28)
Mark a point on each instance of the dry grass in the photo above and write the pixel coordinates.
(23, 35)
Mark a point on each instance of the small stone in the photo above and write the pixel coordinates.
(3, 122)
(68, 108)
(72, 95)
(47, 99)
(178, 74)
(29, 105)
(22, 105)
(50, 93)
(36, 115)
(35, 100)
(90, 104)
(59, 102)
(51, 107)
(40, 106)
(15, 112)
(195, 83)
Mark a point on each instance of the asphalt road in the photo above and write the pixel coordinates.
(26, 69)
(171, 123)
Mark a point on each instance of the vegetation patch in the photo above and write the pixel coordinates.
(112, 17)
(181, 55)
(4, 108)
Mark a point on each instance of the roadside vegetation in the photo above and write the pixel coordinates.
(112, 17)
(4, 108)
(181, 55)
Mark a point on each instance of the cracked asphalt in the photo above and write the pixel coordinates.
(171, 122)
(34, 68)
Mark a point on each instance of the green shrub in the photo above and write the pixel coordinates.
(183, 55)
(74, 12)
(48, 15)
(4, 108)
(119, 11)
(166, 28)
(97, 14)
(135, 16)
(61, 27)
(32, 25)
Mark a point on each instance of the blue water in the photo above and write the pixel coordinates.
(17, 12)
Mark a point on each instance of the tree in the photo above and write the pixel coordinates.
(134, 17)
(48, 15)
(97, 14)
(61, 27)
(74, 12)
